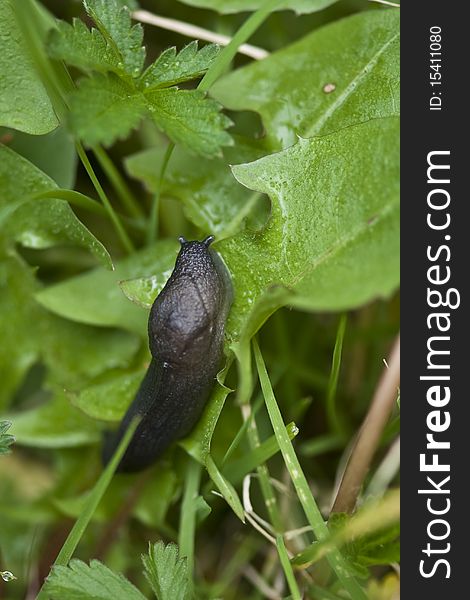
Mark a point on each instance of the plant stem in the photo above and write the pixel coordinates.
(288, 571)
(153, 223)
(299, 480)
(126, 241)
(243, 34)
(118, 182)
(188, 513)
(332, 415)
(368, 438)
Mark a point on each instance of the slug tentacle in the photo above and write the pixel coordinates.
(186, 333)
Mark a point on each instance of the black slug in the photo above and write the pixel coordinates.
(186, 333)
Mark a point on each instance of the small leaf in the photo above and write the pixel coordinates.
(171, 68)
(143, 290)
(190, 118)
(109, 399)
(113, 19)
(78, 581)
(166, 572)
(84, 48)
(105, 108)
(5, 440)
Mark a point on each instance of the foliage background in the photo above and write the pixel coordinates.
(303, 199)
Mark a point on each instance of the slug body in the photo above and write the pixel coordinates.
(186, 334)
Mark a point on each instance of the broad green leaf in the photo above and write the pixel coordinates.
(171, 68)
(6, 440)
(109, 399)
(166, 572)
(78, 581)
(190, 118)
(31, 334)
(332, 241)
(105, 108)
(54, 154)
(113, 19)
(54, 424)
(212, 198)
(96, 297)
(84, 48)
(358, 56)
(235, 6)
(38, 222)
(24, 103)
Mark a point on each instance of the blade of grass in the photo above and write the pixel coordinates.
(287, 567)
(153, 222)
(331, 412)
(299, 480)
(267, 489)
(93, 500)
(187, 528)
(235, 471)
(243, 34)
(126, 241)
(225, 488)
(120, 186)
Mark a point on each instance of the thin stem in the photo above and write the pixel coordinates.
(299, 480)
(188, 513)
(126, 241)
(153, 223)
(118, 182)
(368, 438)
(244, 33)
(287, 567)
(332, 415)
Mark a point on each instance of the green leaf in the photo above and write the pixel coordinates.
(171, 68)
(190, 118)
(109, 399)
(113, 19)
(79, 581)
(105, 108)
(212, 198)
(54, 424)
(81, 298)
(166, 572)
(235, 6)
(34, 222)
(358, 55)
(25, 104)
(332, 240)
(5, 440)
(84, 48)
